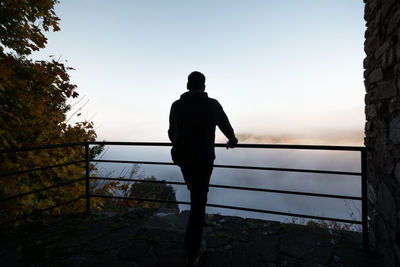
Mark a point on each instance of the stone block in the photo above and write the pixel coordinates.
(380, 126)
(368, 126)
(134, 251)
(357, 258)
(370, 112)
(394, 21)
(368, 98)
(386, 89)
(367, 33)
(384, 61)
(398, 79)
(169, 254)
(245, 255)
(394, 104)
(366, 62)
(396, 152)
(370, 9)
(217, 258)
(387, 204)
(394, 131)
(367, 141)
(387, 7)
(313, 249)
(396, 70)
(371, 43)
(365, 75)
(383, 108)
(382, 49)
(378, 18)
(366, 85)
(375, 76)
(397, 172)
(383, 161)
(371, 194)
(372, 182)
(381, 229)
(389, 58)
(397, 51)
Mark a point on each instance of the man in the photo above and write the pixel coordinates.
(192, 122)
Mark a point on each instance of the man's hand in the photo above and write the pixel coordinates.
(231, 143)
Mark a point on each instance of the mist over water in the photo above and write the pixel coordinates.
(284, 158)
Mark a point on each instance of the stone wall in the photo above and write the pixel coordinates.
(382, 129)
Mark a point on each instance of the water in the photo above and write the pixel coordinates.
(305, 182)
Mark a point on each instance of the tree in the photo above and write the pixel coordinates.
(22, 23)
(150, 190)
(33, 107)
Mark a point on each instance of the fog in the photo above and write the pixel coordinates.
(305, 182)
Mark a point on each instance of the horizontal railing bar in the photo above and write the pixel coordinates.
(286, 214)
(112, 143)
(141, 199)
(133, 162)
(41, 168)
(136, 180)
(19, 149)
(287, 170)
(298, 147)
(285, 192)
(273, 146)
(43, 210)
(42, 189)
(235, 208)
(233, 167)
(233, 187)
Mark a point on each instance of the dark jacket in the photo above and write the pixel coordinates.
(192, 123)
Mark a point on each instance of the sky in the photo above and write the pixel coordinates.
(284, 71)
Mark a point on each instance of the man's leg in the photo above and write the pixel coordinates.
(199, 176)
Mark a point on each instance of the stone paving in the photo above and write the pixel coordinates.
(155, 238)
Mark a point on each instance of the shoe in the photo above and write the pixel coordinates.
(193, 260)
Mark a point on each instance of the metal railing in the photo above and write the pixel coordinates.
(88, 195)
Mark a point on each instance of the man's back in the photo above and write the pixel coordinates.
(193, 120)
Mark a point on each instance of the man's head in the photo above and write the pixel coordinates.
(196, 81)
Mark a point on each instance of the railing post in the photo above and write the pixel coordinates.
(364, 192)
(87, 176)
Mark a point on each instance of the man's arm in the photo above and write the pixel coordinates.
(171, 130)
(226, 128)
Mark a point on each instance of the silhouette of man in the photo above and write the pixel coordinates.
(192, 122)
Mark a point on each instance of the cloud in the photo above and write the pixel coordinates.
(320, 137)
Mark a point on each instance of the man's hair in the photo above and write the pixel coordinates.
(196, 80)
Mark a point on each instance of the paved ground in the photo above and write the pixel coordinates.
(154, 238)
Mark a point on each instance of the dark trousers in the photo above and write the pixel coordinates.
(197, 178)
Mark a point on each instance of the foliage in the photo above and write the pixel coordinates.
(329, 225)
(325, 224)
(33, 107)
(151, 190)
(22, 22)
